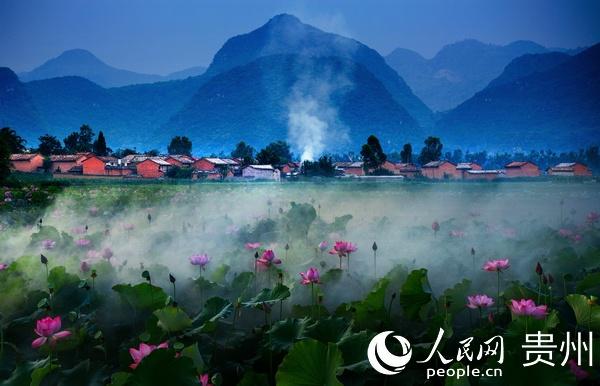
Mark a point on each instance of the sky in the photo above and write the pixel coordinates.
(159, 37)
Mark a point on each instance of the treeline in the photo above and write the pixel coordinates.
(543, 158)
(278, 153)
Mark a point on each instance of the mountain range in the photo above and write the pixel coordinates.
(78, 62)
(550, 100)
(458, 70)
(289, 80)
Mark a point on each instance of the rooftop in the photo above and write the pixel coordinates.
(261, 167)
(489, 171)
(565, 165)
(465, 165)
(22, 157)
(517, 164)
(67, 157)
(435, 164)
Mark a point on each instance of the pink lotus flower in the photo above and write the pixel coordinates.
(593, 217)
(83, 243)
(93, 211)
(48, 331)
(107, 253)
(143, 351)
(496, 265)
(3, 266)
(48, 244)
(204, 380)
(565, 232)
(527, 307)
(310, 277)
(128, 227)
(479, 301)
(576, 238)
(252, 246)
(202, 260)
(323, 245)
(435, 226)
(85, 265)
(343, 248)
(267, 259)
(580, 374)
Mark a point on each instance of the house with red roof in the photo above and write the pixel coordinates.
(569, 169)
(64, 163)
(518, 169)
(180, 160)
(408, 170)
(209, 164)
(26, 163)
(95, 165)
(350, 168)
(152, 167)
(464, 167)
(483, 174)
(440, 170)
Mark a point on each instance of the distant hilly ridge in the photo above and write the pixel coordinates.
(146, 115)
(458, 70)
(286, 34)
(83, 63)
(255, 98)
(289, 80)
(546, 99)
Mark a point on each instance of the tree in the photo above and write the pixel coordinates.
(275, 153)
(180, 145)
(372, 154)
(71, 142)
(100, 145)
(406, 153)
(457, 156)
(151, 153)
(432, 151)
(244, 152)
(177, 172)
(479, 158)
(49, 145)
(4, 158)
(120, 153)
(13, 142)
(322, 168)
(79, 142)
(593, 158)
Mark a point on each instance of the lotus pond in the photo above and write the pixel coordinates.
(286, 284)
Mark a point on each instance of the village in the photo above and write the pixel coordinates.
(218, 169)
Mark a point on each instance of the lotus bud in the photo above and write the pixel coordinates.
(538, 269)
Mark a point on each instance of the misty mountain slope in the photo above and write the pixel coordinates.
(186, 73)
(16, 106)
(82, 63)
(125, 114)
(457, 71)
(529, 64)
(254, 102)
(286, 34)
(558, 108)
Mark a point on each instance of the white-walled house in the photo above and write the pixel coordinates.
(261, 172)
